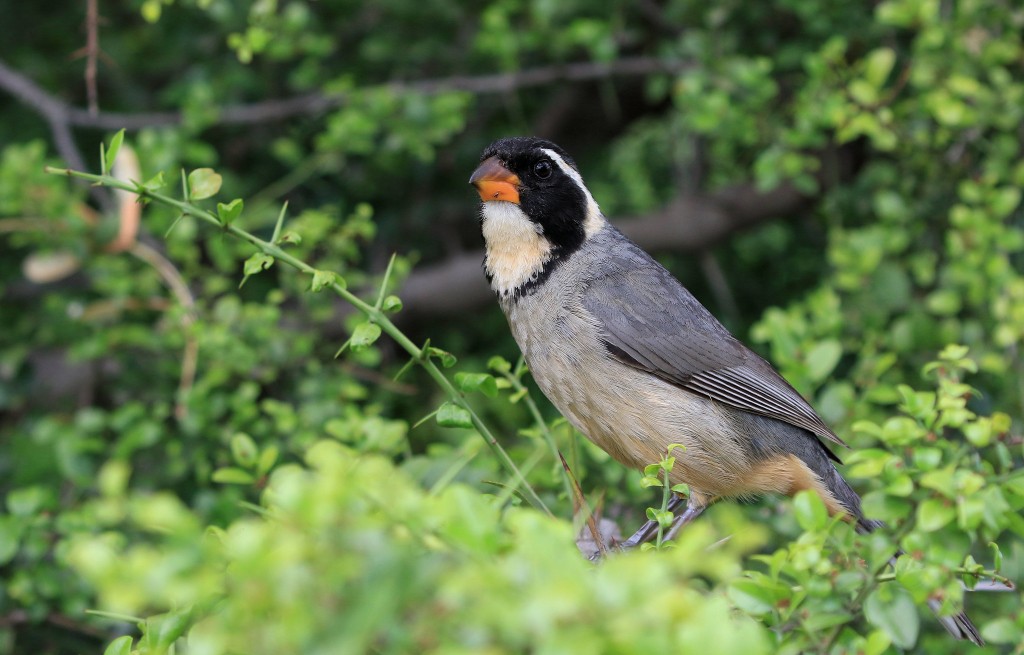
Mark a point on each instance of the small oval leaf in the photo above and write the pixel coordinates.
(203, 183)
(121, 645)
(243, 449)
(229, 212)
(110, 156)
(451, 415)
(364, 336)
(232, 475)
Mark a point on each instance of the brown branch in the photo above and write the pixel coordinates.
(31, 94)
(92, 53)
(56, 114)
(177, 285)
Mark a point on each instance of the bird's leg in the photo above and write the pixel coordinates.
(693, 510)
(650, 529)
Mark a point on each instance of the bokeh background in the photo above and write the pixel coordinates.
(840, 183)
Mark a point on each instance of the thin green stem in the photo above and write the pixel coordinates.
(871, 583)
(373, 313)
(666, 493)
(984, 573)
(513, 379)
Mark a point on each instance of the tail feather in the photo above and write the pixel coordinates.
(958, 625)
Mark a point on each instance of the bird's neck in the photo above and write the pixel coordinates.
(517, 250)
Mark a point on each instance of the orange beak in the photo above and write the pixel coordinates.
(495, 182)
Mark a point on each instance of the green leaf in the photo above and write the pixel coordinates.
(243, 449)
(477, 382)
(933, 514)
(229, 212)
(203, 183)
(944, 302)
(822, 359)
(111, 155)
(877, 66)
(901, 485)
(290, 237)
(447, 359)
(1003, 202)
(997, 556)
(499, 364)
(970, 510)
(151, 10)
(364, 336)
(27, 501)
(927, 459)
(953, 352)
(662, 517)
(392, 304)
(810, 511)
(154, 183)
(121, 645)
(280, 223)
(649, 481)
(1002, 631)
(881, 506)
(232, 475)
(751, 597)
(891, 608)
(324, 279)
(163, 630)
(267, 460)
(450, 415)
(256, 263)
(113, 477)
(10, 535)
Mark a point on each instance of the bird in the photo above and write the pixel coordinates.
(632, 359)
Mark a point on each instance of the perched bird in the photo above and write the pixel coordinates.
(632, 359)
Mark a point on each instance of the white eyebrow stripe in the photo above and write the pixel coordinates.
(595, 220)
(568, 170)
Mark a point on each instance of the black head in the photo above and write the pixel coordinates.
(550, 194)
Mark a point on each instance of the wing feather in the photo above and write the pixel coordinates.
(651, 322)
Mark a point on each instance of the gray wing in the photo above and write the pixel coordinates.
(651, 322)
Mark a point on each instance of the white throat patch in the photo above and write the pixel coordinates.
(595, 220)
(517, 249)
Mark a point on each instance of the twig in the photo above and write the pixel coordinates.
(513, 378)
(57, 116)
(579, 503)
(871, 583)
(719, 284)
(190, 356)
(20, 616)
(92, 53)
(374, 315)
(1009, 584)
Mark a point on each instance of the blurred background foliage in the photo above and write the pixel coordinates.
(839, 182)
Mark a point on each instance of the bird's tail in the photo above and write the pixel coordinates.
(958, 625)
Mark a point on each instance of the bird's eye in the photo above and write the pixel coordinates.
(542, 169)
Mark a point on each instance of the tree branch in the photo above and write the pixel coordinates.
(31, 94)
(56, 114)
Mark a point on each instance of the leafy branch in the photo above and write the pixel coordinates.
(203, 183)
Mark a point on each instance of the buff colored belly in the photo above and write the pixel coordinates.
(631, 415)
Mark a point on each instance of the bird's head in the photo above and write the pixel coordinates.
(536, 210)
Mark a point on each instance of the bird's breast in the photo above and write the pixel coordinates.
(628, 413)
